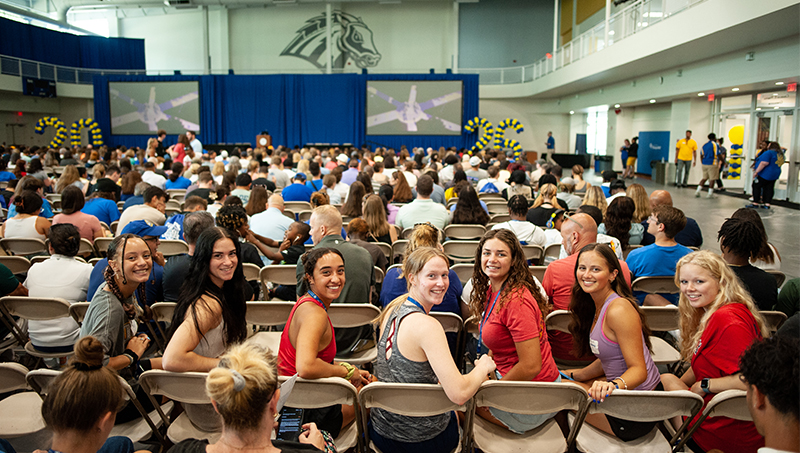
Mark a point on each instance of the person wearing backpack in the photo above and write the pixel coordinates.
(767, 170)
(492, 184)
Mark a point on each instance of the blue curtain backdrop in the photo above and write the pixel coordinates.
(295, 109)
(65, 49)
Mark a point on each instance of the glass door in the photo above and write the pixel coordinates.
(778, 126)
(733, 128)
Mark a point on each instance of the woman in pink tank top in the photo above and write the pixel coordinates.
(607, 321)
(308, 343)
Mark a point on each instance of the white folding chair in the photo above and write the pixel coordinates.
(496, 207)
(552, 252)
(656, 285)
(114, 226)
(187, 388)
(532, 398)
(385, 248)
(319, 393)
(461, 251)
(36, 309)
(412, 400)
(774, 319)
(251, 271)
(101, 244)
(162, 312)
(399, 247)
(642, 406)
(78, 311)
(558, 320)
(16, 264)
(297, 206)
(169, 247)
(464, 232)
(268, 314)
(464, 271)
(379, 274)
(538, 272)
(345, 316)
(452, 323)
(20, 413)
(533, 253)
(407, 232)
(23, 246)
(278, 274)
(730, 403)
(663, 319)
(499, 218)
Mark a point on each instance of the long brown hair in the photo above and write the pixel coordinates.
(374, 213)
(582, 307)
(519, 277)
(67, 178)
(352, 207)
(258, 200)
(129, 181)
(402, 191)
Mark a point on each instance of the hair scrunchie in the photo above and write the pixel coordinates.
(238, 381)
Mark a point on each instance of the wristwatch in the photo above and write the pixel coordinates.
(704, 384)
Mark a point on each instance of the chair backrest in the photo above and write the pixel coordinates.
(23, 246)
(780, 277)
(94, 261)
(461, 251)
(274, 313)
(662, 319)
(628, 250)
(352, 315)
(500, 218)
(654, 285)
(170, 211)
(39, 259)
(114, 226)
(558, 320)
(174, 204)
(379, 274)
(279, 274)
(12, 377)
(186, 387)
(251, 271)
(731, 404)
(774, 319)
(304, 216)
(648, 406)
(552, 251)
(522, 397)
(407, 232)
(452, 201)
(297, 206)
(538, 271)
(78, 311)
(533, 252)
(413, 400)
(399, 246)
(101, 244)
(464, 271)
(163, 311)
(86, 247)
(472, 324)
(465, 232)
(385, 248)
(169, 247)
(40, 380)
(36, 308)
(317, 393)
(16, 264)
(450, 322)
(496, 207)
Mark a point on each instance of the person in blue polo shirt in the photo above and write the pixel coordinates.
(710, 167)
(298, 190)
(766, 172)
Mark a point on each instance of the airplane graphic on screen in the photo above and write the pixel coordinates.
(151, 113)
(411, 112)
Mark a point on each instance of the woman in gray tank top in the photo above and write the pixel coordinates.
(417, 352)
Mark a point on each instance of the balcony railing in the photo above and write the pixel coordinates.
(21, 67)
(631, 20)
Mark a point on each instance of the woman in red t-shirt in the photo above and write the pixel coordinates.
(308, 343)
(719, 320)
(512, 308)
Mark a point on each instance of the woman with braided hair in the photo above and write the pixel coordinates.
(739, 239)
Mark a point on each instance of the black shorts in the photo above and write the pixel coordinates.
(628, 430)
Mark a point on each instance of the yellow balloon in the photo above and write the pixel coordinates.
(736, 135)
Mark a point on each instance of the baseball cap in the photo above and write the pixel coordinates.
(474, 161)
(105, 185)
(342, 158)
(143, 228)
(300, 176)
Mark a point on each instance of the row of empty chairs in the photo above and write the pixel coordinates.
(30, 246)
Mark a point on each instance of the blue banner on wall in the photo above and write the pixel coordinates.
(652, 146)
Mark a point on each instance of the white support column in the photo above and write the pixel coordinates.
(328, 33)
(555, 27)
(456, 25)
(608, 17)
(206, 55)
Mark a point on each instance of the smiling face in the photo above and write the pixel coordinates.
(496, 260)
(594, 274)
(698, 285)
(430, 284)
(223, 261)
(328, 278)
(136, 263)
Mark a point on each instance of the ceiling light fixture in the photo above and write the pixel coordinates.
(616, 106)
(778, 83)
(701, 94)
(734, 89)
(572, 112)
(652, 101)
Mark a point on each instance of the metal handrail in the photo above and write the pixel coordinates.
(22, 67)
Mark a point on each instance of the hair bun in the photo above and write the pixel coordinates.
(89, 352)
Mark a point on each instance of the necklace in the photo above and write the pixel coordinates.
(268, 444)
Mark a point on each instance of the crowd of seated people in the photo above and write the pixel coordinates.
(234, 211)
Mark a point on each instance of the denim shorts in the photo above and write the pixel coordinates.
(521, 423)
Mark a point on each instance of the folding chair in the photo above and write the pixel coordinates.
(173, 247)
(385, 248)
(407, 232)
(319, 393)
(452, 323)
(730, 403)
(114, 226)
(490, 196)
(412, 400)
(16, 264)
(780, 277)
(538, 272)
(774, 319)
(20, 413)
(532, 398)
(643, 406)
(534, 253)
(86, 248)
(663, 319)
(251, 271)
(162, 313)
(101, 244)
(558, 320)
(461, 251)
(277, 274)
(379, 274)
(187, 388)
(345, 316)
(174, 204)
(268, 314)
(176, 194)
(628, 250)
(23, 246)
(552, 252)
(399, 247)
(496, 207)
(464, 271)
(78, 311)
(451, 202)
(464, 232)
(655, 285)
(36, 309)
(297, 206)
(305, 216)
(171, 211)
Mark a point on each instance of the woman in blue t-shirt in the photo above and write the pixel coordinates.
(765, 174)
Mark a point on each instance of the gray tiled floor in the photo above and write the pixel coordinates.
(782, 224)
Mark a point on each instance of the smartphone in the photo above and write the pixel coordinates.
(290, 424)
(564, 375)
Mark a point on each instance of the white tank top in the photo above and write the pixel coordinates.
(17, 227)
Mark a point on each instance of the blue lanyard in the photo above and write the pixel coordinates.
(417, 304)
(486, 317)
(316, 298)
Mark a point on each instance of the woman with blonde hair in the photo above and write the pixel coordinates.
(638, 194)
(244, 391)
(217, 172)
(581, 186)
(545, 204)
(303, 167)
(69, 177)
(595, 197)
(719, 320)
(374, 214)
(416, 351)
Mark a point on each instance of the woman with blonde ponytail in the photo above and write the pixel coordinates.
(719, 320)
(244, 391)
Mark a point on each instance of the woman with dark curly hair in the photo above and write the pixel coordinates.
(618, 222)
(468, 209)
(512, 307)
(352, 206)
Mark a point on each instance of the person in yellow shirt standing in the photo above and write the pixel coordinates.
(686, 154)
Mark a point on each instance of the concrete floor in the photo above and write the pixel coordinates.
(782, 224)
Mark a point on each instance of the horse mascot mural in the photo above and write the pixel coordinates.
(352, 40)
